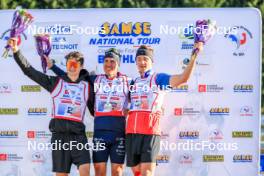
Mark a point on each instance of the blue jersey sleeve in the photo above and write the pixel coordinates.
(163, 80)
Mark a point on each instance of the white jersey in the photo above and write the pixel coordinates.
(69, 100)
(111, 96)
(146, 95)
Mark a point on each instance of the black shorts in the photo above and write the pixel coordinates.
(141, 148)
(64, 157)
(114, 143)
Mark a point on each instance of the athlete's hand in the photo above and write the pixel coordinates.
(199, 46)
(49, 62)
(126, 111)
(12, 42)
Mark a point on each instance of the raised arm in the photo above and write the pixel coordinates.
(51, 65)
(176, 80)
(47, 82)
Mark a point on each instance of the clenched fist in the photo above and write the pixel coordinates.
(12, 42)
(49, 61)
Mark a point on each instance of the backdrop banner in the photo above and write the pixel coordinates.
(210, 126)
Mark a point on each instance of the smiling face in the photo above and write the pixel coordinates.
(144, 63)
(110, 66)
(73, 67)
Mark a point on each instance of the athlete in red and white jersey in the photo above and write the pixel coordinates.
(143, 121)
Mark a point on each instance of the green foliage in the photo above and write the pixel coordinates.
(51, 4)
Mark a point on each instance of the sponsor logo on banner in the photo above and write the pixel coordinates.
(191, 111)
(186, 111)
(132, 34)
(246, 111)
(5, 88)
(9, 134)
(125, 29)
(213, 158)
(126, 58)
(186, 159)
(202, 88)
(241, 38)
(219, 111)
(242, 134)
(181, 88)
(3, 157)
(243, 88)
(38, 134)
(89, 134)
(186, 37)
(62, 44)
(178, 111)
(30, 88)
(63, 35)
(164, 135)
(8, 111)
(37, 157)
(59, 29)
(242, 158)
(210, 88)
(10, 157)
(186, 45)
(199, 63)
(162, 159)
(189, 134)
(216, 135)
(185, 63)
(37, 111)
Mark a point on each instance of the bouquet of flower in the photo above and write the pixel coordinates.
(21, 20)
(43, 45)
(203, 31)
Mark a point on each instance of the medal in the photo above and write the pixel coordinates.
(108, 107)
(138, 103)
(144, 104)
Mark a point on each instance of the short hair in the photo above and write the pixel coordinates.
(77, 55)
